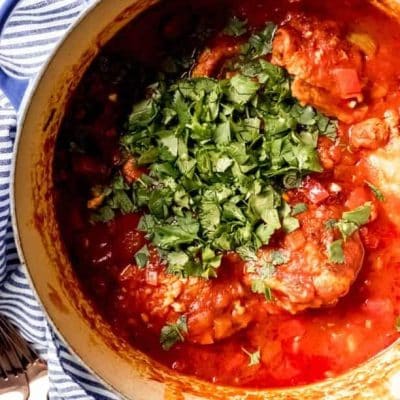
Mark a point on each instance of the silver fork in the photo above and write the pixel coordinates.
(18, 362)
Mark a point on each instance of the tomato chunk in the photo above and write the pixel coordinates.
(348, 82)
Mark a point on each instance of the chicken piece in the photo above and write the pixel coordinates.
(211, 60)
(326, 103)
(215, 308)
(305, 277)
(326, 67)
(369, 134)
(330, 153)
(392, 120)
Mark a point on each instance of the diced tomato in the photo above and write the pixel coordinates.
(360, 196)
(348, 82)
(357, 197)
(315, 192)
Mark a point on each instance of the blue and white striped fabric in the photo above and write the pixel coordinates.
(29, 31)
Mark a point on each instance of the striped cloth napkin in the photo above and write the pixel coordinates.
(29, 30)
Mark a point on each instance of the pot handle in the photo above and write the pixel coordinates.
(12, 87)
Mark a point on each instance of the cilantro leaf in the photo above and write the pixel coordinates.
(260, 43)
(351, 221)
(346, 228)
(254, 358)
(179, 230)
(259, 286)
(177, 261)
(240, 89)
(299, 208)
(279, 257)
(331, 223)
(335, 252)
(173, 333)
(236, 27)
(143, 113)
(290, 224)
(247, 253)
(360, 215)
(377, 193)
(142, 257)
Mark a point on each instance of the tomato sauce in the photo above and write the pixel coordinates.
(294, 349)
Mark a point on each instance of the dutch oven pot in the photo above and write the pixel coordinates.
(130, 373)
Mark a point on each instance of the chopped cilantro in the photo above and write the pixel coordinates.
(259, 286)
(173, 333)
(254, 358)
(331, 223)
(299, 208)
(219, 154)
(346, 228)
(358, 216)
(278, 257)
(267, 270)
(260, 43)
(142, 257)
(118, 196)
(236, 27)
(351, 221)
(247, 253)
(377, 193)
(291, 180)
(290, 224)
(335, 252)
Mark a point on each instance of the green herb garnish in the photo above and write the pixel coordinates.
(351, 221)
(142, 257)
(118, 196)
(173, 333)
(331, 223)
(267, 270)
(260, 43)
(377, 193)
(219, 154)
(335, 252)
(236, 27)
(299, 208)
(254, 358)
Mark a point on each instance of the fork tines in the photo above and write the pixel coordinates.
(15, 355)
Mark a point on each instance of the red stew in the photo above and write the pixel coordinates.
(359, 87)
